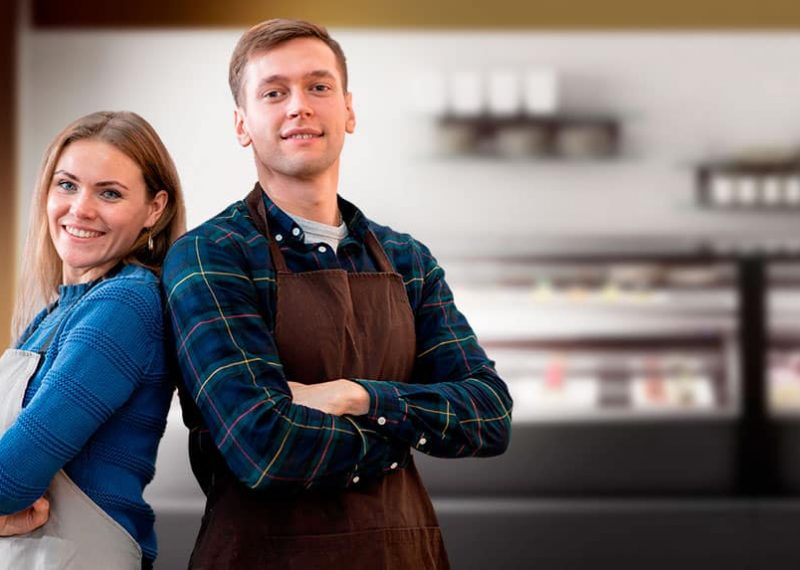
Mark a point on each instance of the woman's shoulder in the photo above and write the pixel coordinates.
(133, 286)
(129, 277)
(131, 273)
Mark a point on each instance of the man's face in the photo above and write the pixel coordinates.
(293, 109)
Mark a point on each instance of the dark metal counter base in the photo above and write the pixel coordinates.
(634, 458)
(618, 534)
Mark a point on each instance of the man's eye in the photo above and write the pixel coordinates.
(321, 87)
(274, 94)
(67, 185)
(110, 194)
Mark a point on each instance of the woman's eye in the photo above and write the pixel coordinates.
(67, 185)
(111, 194)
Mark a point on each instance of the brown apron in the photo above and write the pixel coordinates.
(330, 324)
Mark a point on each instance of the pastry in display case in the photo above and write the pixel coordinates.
(675, 384)
(550, 383)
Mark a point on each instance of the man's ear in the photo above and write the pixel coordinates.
(350, 124)
(239, 126)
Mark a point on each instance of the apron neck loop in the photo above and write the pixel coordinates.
(255, 205)
(378, 253)
(49, 340)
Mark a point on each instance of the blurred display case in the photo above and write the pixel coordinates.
(617, 379)
(607, 339)
(624, 369)
(783, 358)
(782, 375)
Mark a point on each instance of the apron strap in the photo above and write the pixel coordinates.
(50, 336)
(378, 253)
(255, 205)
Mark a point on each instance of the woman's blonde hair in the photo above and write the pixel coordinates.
(128, 132)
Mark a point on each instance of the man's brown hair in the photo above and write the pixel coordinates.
(269, 34)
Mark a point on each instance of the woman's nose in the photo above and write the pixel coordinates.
(83, 205)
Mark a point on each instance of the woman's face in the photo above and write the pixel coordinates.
(97, 206)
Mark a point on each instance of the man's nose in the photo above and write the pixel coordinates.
(299, 105)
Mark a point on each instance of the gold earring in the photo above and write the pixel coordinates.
(150, 245)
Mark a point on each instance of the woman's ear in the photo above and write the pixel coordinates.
(156, 206)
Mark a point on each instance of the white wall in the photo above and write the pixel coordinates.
(682, 97)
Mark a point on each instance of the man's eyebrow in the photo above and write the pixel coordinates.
(272, 79)
(320, 73)
(277, 78)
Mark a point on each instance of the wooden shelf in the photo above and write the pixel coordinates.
(749, 185)
(531, 136)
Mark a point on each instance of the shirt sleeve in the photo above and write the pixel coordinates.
(455, 405)
(232, 372)
(103, 353)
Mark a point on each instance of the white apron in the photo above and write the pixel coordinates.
(79, 535)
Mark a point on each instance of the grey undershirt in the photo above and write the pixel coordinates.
(315, 232)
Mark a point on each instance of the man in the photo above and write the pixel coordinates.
(317, 346)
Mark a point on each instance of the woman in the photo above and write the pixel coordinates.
(85, 393)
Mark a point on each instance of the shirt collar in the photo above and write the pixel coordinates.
(280, 224)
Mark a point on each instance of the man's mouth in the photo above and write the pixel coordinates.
(301, 134)
(81, 233)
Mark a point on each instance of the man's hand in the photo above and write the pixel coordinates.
(25, 521)
(337, 397)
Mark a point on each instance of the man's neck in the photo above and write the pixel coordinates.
(312, 199)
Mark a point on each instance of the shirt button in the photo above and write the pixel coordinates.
(393, 465)
(422, 441)
(322, 249)
(381, 421)
(278, 237)
(356, 479)
(295, 232)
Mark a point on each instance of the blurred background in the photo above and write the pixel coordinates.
(614, 192)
